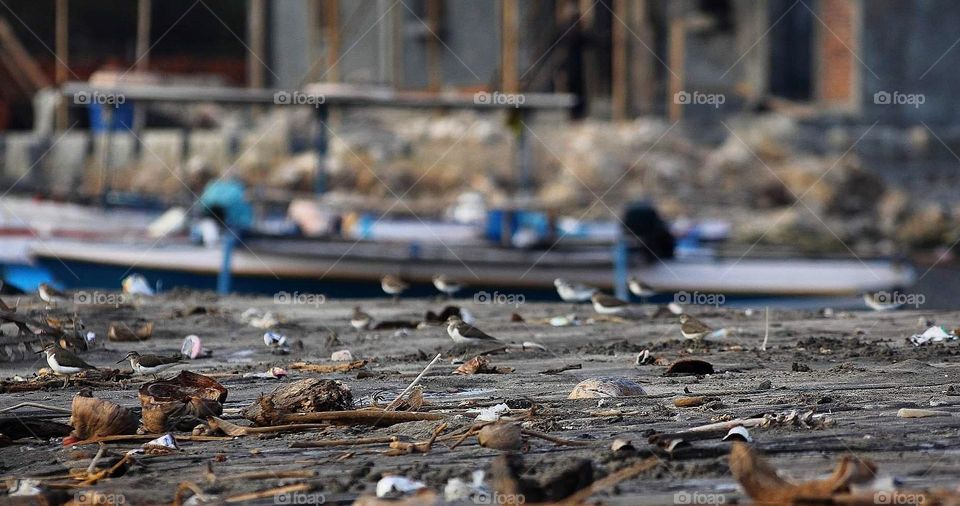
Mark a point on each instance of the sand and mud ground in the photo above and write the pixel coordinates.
(856, 368)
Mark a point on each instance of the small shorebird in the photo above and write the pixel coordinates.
(149, 364)
(692, 328)
(393, 285)
(608, 304)
(464, 333)
(50, 294)
(881, 301)
(360, 320)
(573, 292)
(640, 289)
(446, 285)
(64, 362)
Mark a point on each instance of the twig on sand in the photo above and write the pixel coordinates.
(142, 437)
(270, 492)
(35, 405)
(232, 429)
(611, 480)
(96, 458)
(416, 380)
(328, 368)
(343, 442)
(555, 439)
(361, 417)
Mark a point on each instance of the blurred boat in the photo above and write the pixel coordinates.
(344, 268)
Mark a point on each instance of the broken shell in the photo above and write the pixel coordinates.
(342, 356)
(738, 433)
(501, 436)
(920, 413)
(621, 445)
(594, 388)
(493, 413)
(390, 486)
(192, 347)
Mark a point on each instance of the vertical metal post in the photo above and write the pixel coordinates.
(620, 267)
(224, 277)
(320, 144)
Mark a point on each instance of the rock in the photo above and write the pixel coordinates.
(595, 388)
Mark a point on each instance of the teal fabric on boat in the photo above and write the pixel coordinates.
(228, 198)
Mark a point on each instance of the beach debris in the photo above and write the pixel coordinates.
(738, 433)
(274, 339)
(692, 401)
(558, 370)
(501, 436)
(595, 388)
(480, 365)
(215, 425)
(393, 404)
(690, 366)
(308, 395)
(793, 418)
(921, 413)
(192, 347)
(91, 417)
(259, 319)
(493, 413)
(136, 284)
(508, 479)
(328, 368)
(341, 356)
(271, 373)
(398, 447)
(935, 334)
(764, 485)
(163, 445)
(457, 489)
(122, 332)
(622, 446)
(568, 320)
(25, 487)
(180, 403)
(396, 486)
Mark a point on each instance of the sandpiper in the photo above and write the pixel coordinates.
(573, 292)
(360, 320)
(446, 285)
(393, 286)
(692, 328)
(640, 289)
(464, 333)
(50, 294)
(149, 364)
(64, 362)
(608, 304)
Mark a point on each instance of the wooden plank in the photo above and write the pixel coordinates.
(331, 14)
(144, 8)
(643, 84)
(256, 42)
(63, 56)
(675, 60)
(509, 46)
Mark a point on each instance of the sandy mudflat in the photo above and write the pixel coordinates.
(861, 371)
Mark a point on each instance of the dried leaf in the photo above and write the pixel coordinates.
(481, 365)
(92, 417)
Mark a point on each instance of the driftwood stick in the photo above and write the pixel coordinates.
(361, 417)
(269, 475)
(412, 384)
(36, 405)
(554, 439)
(343, 442)
(611, 480)
(232, 429)
(144, 437)
(270, 492)
(328, 368)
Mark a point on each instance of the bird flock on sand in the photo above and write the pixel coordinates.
(459, 326)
